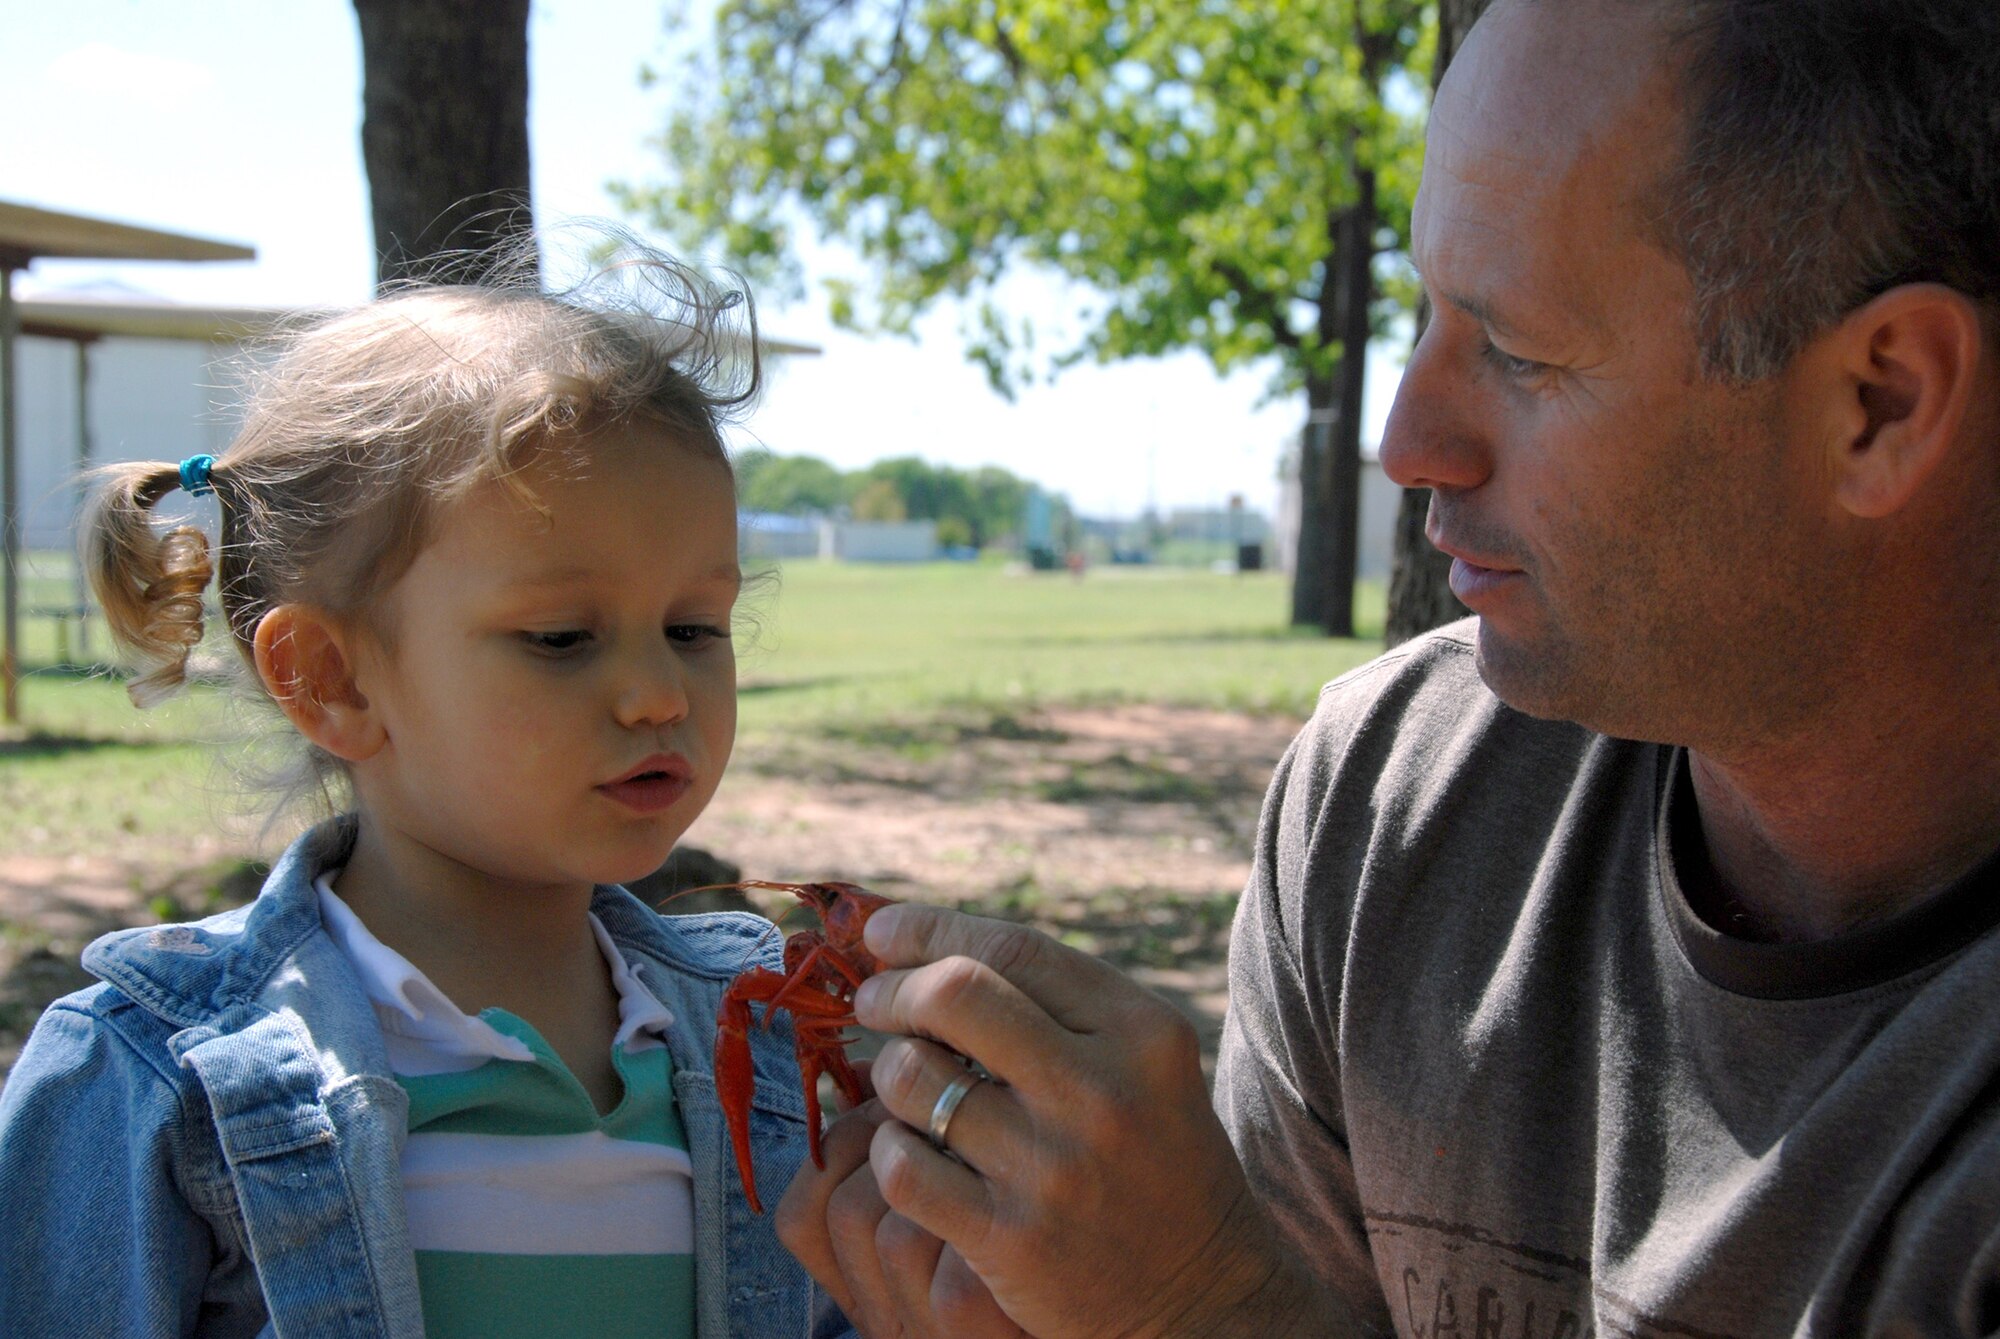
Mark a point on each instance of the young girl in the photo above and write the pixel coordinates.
(444, 1077)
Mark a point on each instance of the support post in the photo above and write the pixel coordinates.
(10, 502)
(82, 469)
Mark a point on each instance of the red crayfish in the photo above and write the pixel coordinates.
(822, 968)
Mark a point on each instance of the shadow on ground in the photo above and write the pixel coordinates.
(1124, 832)
(48, 922)
(56, 746)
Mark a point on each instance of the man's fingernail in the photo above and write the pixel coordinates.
(864, 995)
(881, 927)
(889, 1061)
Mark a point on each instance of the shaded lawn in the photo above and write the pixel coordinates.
(858, 684)
(852, 654)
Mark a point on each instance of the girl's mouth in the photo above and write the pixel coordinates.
(654, 785)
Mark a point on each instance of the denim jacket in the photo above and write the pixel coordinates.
(209, 1142)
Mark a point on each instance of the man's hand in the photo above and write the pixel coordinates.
(889, 1276)
(1092, 1191)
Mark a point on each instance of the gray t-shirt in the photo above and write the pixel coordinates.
(1495, 1079)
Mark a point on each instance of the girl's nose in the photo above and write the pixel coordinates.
(1433, 438)
(654, 691)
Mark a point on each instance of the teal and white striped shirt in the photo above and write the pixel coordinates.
(531, 1214)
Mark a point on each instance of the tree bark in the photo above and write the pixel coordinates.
(1353, 297)
(444, 136)
(1420, 595)
(1455, 20)
(1330, 448)
(1313, 563)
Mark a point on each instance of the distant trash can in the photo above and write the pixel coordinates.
(1249, 557)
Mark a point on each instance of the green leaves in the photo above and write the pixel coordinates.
(981, 505)
(1183, 158)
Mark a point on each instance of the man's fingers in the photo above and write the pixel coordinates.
(983, 1127)
(909, 1258)
(945, 1198)
(801, 1216)
(962, 1302)
(1071, 987)
(936, 1292)
(970, 1008)
(854, 1214)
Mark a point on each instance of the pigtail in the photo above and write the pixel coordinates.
(148, 583)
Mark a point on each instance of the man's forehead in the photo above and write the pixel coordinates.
(1545, 86)
(1545, 146)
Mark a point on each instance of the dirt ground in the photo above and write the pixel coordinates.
(1126, 832)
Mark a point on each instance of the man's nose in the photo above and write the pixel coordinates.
(1433, 438)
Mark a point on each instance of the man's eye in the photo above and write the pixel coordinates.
(695, 634)
(1517, 369)
(556, 643)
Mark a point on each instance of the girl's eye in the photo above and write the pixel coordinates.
(564, 642)
(695, 634)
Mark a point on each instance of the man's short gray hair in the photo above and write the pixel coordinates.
(1835, 149)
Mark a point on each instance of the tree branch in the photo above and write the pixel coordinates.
(1262, 305)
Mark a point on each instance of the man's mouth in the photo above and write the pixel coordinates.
(1474, 576)
(1471, 583)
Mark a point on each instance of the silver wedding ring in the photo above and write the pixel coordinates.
(947, 1104)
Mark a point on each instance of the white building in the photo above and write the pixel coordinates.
(773, 535)
(1375, 546)
(879, 541)
(108, 373)
(832, 539)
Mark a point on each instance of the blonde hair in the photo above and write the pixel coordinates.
(360, 425)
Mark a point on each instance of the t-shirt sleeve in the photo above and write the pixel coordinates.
(1277, 1086)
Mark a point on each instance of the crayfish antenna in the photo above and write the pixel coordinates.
(680, 893)
(766, 885)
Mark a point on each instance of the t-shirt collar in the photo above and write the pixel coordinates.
(417, 1008)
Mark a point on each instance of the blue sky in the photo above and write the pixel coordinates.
(240, 119)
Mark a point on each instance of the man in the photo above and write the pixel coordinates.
(1535, 1030)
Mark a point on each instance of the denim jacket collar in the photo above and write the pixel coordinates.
(275, 1028)
(272, 956)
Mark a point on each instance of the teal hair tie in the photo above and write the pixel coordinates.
(194, 475)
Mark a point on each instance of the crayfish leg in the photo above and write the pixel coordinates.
(803, 952)
(820, 1045)
(810, 1053)
(735, 1077)
(831, 1050)
(844, 1076)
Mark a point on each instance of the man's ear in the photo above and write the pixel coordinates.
(305, 661)
(1908, 361)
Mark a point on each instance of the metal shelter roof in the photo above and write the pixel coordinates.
(87, 319)
(27, 233)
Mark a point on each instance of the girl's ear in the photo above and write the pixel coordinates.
(1909, 358)
(303, 658)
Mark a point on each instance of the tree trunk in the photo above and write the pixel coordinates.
(1420, 596)
(1313, 564)
(444, 134)
(1455, 20)
(1354, 296)
(1330, 449)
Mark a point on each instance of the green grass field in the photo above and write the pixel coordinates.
(848, 645)
(831, 650)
